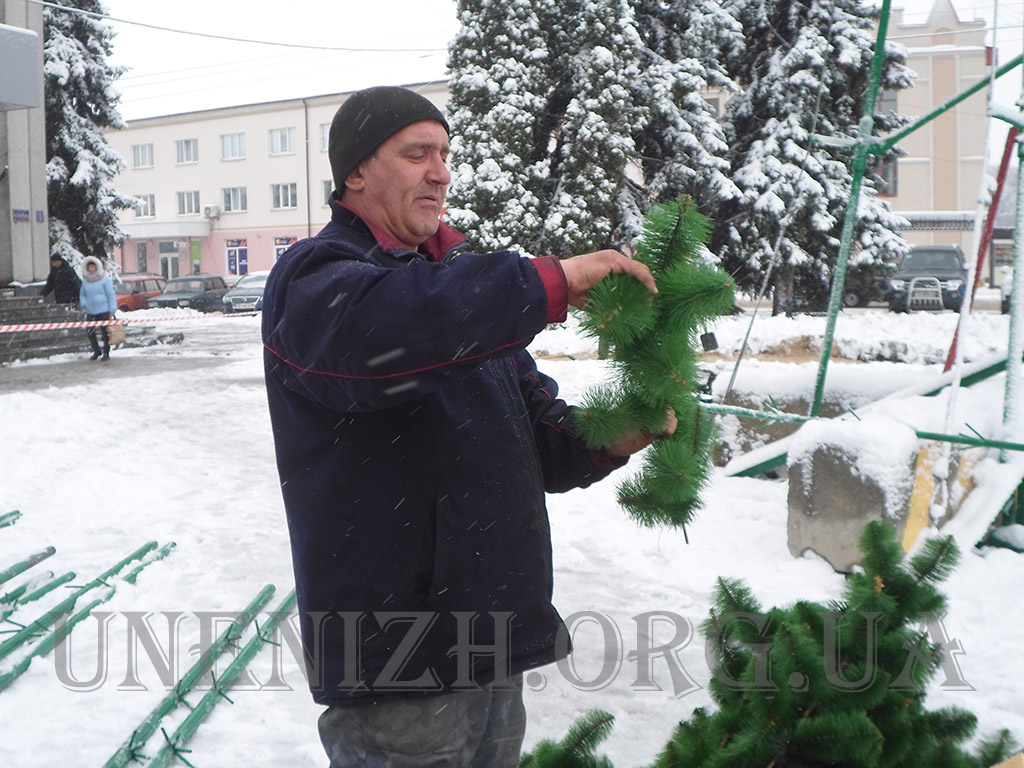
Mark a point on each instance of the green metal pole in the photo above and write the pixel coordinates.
(860, 164)
(129, 751)
(980, 442)
(68, 604)
(749, 413)
(884, 145)
(25, 564)
(9, 518)
(1011, 396)
(50, 641)
(176, 743)
(43, 590)
(161, 553)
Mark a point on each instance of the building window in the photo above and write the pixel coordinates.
(887, 171)
(328, 188)
(232, 146)
(234, 199)
(282, 141)
(888, 101)
(284, 196)
(188, 203)
(325, 136)
(142, 156)
(186, 151)
(140, 258)
(145, 206)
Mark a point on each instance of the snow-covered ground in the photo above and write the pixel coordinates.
(172, 443)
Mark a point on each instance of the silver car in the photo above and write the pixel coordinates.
(247, 294)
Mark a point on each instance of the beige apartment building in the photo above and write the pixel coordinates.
(936, 184)
(226, 191)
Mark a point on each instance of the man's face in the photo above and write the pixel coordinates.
(402, 186)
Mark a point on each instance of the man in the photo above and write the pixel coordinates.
(415, 440)
(63, 281)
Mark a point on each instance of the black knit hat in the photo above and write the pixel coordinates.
(367, 119)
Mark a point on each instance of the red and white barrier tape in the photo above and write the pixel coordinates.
(99, 323)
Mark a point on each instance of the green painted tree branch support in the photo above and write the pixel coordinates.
(25, 564)
(864, 146)
(56, 616)
(10, 518)
(68, 604)
(176, 743)
(15, 597)
(160, 554)
(129, 751)
(51, 641)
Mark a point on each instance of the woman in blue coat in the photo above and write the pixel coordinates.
(97, 299)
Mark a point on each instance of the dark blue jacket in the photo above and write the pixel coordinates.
(415, 441)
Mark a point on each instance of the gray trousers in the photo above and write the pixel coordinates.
(463, 729)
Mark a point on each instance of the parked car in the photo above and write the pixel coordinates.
(928, 277)
(247, 293)
(134, 291)
(1005, 288)
(864, 283)
(202, 292)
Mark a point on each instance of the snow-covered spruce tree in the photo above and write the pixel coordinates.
(80, 103)
(681, 148)
(820, 685)
(550, 104)
(595, 59)
(804, 71)
(498, 84)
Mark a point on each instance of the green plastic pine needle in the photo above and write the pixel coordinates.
(672, 231)
(619, 310)
(936, 561)
(651, 340)
(576, 750)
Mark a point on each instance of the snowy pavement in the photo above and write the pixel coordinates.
(173, 443)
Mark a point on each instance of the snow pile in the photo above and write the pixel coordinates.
(876, 447)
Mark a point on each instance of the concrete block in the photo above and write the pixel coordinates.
(842, 475)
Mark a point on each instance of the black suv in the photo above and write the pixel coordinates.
(202, 292)
(928, 277)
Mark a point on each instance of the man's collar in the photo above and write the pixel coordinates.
(435, 247)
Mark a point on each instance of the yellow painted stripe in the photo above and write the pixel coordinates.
(921, 495)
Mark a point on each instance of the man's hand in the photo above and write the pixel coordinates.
(637, 441)
(584, 272)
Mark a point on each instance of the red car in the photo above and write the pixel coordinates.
(134, 291)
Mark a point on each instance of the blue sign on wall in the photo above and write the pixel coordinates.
(20, 214)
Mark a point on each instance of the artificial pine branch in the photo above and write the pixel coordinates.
(576, 750)
(780, 705)
(651, 341)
